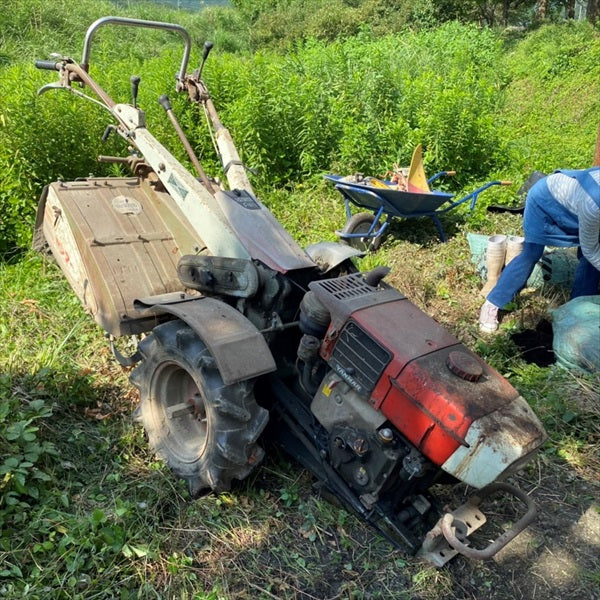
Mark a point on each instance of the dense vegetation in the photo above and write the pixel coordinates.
(305, 88)
(483, 105)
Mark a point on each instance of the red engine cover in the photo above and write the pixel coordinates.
(434, 387)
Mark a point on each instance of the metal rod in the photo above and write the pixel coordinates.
(166, 104)
(82, 75)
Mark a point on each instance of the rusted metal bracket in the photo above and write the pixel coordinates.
(450, 535)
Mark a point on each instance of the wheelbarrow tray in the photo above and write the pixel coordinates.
(398, 203)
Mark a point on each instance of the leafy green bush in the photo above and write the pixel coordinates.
(40, 141)
(283, 24)
(355, 104)
(364, 103)
(22, 474)
(361, 104)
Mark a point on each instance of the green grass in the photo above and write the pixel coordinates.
(86, 510)
(496, 110)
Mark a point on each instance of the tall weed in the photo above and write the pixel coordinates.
(364, 103)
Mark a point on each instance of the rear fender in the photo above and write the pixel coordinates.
(239, 349)
(328, 255)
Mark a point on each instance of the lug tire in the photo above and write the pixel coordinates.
(204, 430)
(361, 223)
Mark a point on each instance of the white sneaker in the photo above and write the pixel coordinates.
(488, 318)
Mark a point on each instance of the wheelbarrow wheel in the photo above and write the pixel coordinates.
(361, 223)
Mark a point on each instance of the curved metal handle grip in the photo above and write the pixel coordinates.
(87, 43)
(448, 528)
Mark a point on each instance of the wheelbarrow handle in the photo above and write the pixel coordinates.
(440, 174)
(474, 195)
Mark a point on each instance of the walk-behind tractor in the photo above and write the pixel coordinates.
(236, 327)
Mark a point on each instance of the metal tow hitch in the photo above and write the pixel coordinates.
(449, 536)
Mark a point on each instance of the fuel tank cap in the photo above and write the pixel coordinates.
(463, 365)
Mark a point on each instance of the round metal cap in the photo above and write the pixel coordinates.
(463, 365)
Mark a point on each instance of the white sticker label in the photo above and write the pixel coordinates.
(126, 205)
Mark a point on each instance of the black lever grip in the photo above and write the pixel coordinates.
(165, 102)
(207, 48)
(135, 85)
(107, 132)
(48, 65)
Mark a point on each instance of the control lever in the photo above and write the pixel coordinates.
(166, 104)
(205, 52)
(135, 84)
(109, 129)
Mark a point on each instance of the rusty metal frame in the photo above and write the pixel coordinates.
(450, 535)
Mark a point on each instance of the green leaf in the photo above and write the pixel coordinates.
(41, 476)
(40, 407)
(140, 551)
(98, 516)
(11, 463)
(29, 435)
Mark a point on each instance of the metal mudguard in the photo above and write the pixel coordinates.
(239, 349)
(328, 255)
(115, 239)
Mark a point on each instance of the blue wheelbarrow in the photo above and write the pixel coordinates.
(365, 230)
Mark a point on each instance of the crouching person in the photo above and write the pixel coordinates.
(562, 209)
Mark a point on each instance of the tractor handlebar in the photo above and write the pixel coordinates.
(87, 44)
(47, 65)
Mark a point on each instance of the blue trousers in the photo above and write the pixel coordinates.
(545, 223)
(517, 272)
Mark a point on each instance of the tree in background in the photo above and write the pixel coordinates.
(396, 14)
(513, 12)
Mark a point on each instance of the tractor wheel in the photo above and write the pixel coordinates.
(361, 223)
(206, 431)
